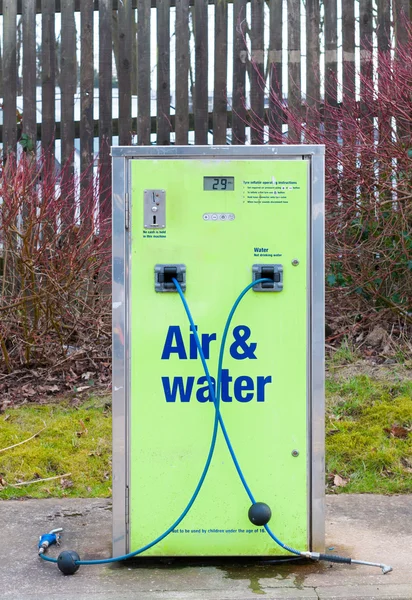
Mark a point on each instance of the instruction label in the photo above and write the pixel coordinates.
(154, 233)
(264, 252)
(269, 192)
(202, 531)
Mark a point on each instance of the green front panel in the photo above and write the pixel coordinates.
(265, 415)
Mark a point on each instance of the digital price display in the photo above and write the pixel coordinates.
(218, 184)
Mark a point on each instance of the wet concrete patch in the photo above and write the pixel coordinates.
(259, 574)
(271, 574)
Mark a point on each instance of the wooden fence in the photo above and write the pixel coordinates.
(253, 52)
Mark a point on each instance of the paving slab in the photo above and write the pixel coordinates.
(366, 527)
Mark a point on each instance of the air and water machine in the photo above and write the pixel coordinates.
(218, 354)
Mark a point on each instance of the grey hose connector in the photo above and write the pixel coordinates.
(335, 558)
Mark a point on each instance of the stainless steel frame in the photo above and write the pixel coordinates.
(121, 334)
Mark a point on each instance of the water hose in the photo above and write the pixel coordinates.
(259, 513)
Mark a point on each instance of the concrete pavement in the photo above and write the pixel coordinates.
(366, 527)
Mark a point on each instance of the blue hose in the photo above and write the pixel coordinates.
(215, 395)
(221, 423)
(189, 505)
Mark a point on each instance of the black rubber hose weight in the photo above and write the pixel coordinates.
(336, 559)
(66, 561)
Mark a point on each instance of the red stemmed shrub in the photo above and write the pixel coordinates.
(368, 190)
(54, 265)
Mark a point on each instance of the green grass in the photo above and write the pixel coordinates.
(345, 354)
(359, 446)
(78, 441)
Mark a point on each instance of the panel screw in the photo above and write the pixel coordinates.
(295, 453)
(295, 262)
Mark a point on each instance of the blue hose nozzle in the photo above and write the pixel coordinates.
(48, 539)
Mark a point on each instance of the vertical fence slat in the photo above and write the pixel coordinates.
(366, 64)
(275, 71)
(402, 14)
(384, 46)
(29, 70)
(331, 68)
(348, 49)
(1, 68)
(313, 64)
(220, 87)
(201, 99)
(182, 72)
(48, 62)
(257, 78)
(105, 103)
(9, 75)
(294, 60)
(384, 25)
(348, 92)
(366, 172)
(86, 106)
(67, 84)
(124, 73)
(163, 72)
(134, 68)
(239, 72)
(143, 80)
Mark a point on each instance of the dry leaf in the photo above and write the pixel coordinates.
(397, 431)
(406, 464)
(66, 483)
(84, 430)
(332, 431)
(339, 481)
(28, 390)
(88, 375)
(52, 388)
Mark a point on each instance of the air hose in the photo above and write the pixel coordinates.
(259, 513)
